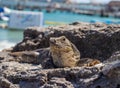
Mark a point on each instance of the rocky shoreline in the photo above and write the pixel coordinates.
(29, 63)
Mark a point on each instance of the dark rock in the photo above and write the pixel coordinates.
(93, 40)
(58, 83)
(29, 64)
(32, 39)
(114, 57)
(45, 58)
(39, 56)
(112, 71)
(4, 56)
(36, 77)
(24, 84)
(26, 57)
(4, 83)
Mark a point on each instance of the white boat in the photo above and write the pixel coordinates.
(4, 13)
(21, 19)
(24, 19)
(3, 17)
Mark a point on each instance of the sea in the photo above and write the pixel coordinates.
(9, 38)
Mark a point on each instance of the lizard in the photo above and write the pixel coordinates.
(65, 54)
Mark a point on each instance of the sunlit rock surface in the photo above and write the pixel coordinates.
(29, 64)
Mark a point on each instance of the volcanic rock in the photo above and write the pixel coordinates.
(29, 64)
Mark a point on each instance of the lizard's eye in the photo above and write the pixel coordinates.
(63, 39)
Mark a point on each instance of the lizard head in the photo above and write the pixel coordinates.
(60, 43)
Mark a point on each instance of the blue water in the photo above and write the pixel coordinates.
(72, 17)
(10, 37)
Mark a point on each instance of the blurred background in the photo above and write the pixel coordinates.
(16, 15)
